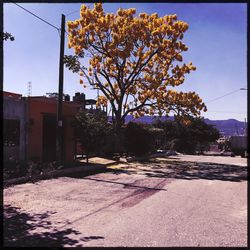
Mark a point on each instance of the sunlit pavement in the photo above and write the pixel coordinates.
(239, 161)
(161, 202)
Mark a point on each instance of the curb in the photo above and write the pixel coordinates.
(55, 173)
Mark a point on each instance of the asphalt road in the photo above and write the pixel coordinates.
(237, 161)
(158, 203)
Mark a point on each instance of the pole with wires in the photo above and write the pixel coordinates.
(59, 120)
(230, 93)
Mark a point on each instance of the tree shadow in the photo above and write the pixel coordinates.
(18, 228)
(187, 170)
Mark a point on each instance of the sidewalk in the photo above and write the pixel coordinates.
(95, 163)
(100, 164)
(98, 160)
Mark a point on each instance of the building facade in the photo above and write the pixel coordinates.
(30, 128)
(14, 126)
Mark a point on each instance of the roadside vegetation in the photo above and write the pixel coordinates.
(139, 139)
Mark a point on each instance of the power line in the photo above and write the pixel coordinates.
(59, 33)
(217, 98)
(58, 29)
(72, 12)
(224, 112)
(45, 20)
(37, 16)
(41, 19)
(76, 11)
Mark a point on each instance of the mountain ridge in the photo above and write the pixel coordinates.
(226, 127)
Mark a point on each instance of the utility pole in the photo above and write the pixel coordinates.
(59, 120)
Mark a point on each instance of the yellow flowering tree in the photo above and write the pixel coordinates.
(135, 61)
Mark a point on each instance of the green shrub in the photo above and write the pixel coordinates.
(92, 130)
(138, 139)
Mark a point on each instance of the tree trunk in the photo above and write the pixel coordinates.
(118, 132)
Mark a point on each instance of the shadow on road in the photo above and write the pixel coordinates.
(18, 228)
(126, 185)
(172, 170)
(186, 170)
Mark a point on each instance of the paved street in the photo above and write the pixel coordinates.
(238, 161)
(158, 203)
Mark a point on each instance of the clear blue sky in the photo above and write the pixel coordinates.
(216, 38)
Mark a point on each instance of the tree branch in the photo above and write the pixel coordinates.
(105, 75)
(103, 89)
(136, 108)
(141, 67)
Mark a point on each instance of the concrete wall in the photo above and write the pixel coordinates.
(14, 108)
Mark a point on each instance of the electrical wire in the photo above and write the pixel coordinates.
(37, 16)
(58, 29)
(71, 13)
(76, 11)
(217, 98)
(224, 112)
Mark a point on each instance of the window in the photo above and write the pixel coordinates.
(11, 136)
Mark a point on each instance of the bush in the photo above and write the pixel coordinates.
(239, 151)
(138, 139)
(14, 169)
(92, 129)
(109, 147)
(190, 138)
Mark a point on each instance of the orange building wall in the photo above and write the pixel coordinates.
(38, 106)
(69, 142)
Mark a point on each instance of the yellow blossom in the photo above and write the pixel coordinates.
(140, 55)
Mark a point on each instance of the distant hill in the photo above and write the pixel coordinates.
(146, 119)
(226, 127)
